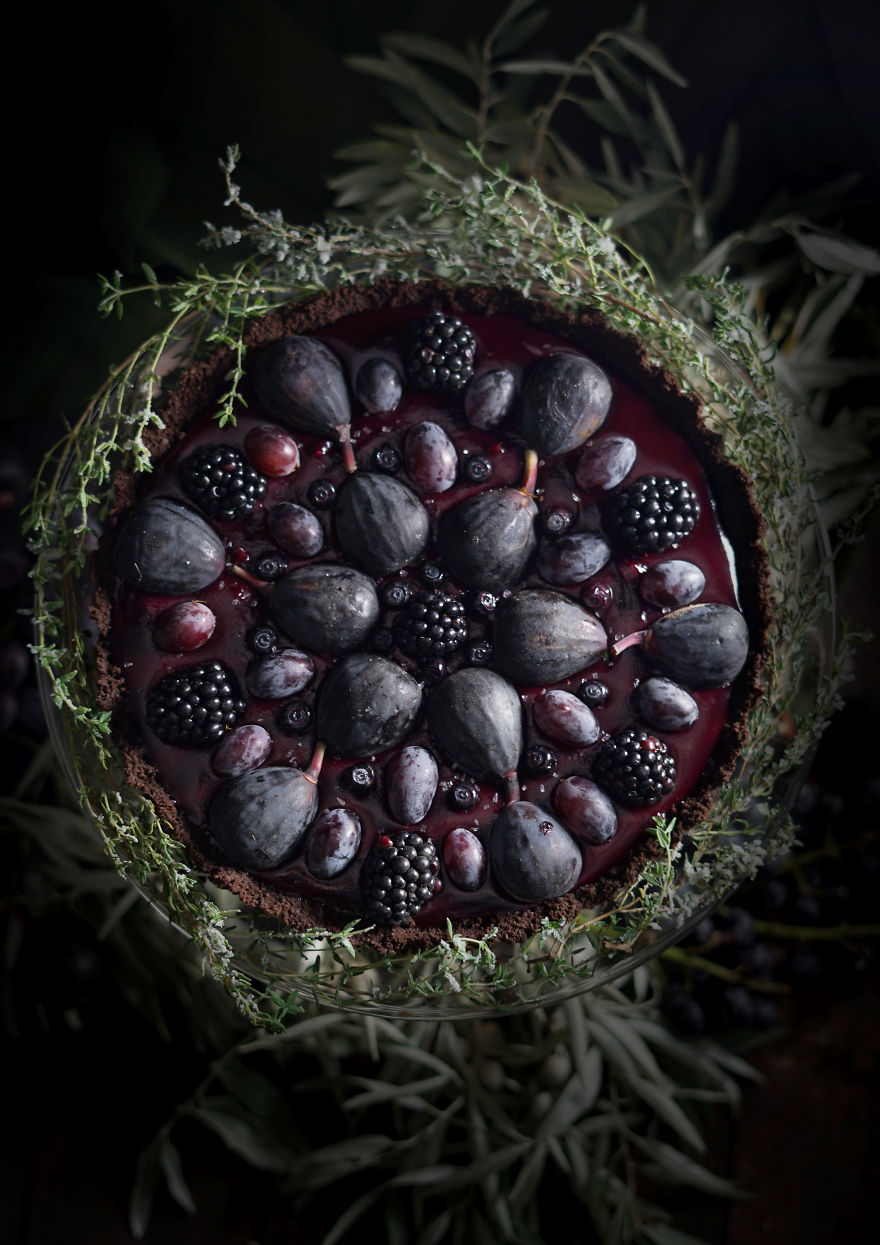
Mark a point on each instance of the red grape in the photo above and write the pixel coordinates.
(184, 627)
(411, 784)
(333, 842)
(241, 750)
(295, 529)
(282, 674)
(430, 458)
(272, 450)
(465, 859)
(489, 397)
(565, 719)
(585, 809)
(664, 705)
(378, 386)
(605, 463)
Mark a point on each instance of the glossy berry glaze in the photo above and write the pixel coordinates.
(238, 604)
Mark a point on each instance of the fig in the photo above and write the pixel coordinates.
(487, 539)
(300, 382)
(533, 857)
(259, 818)
(366, 704)
(566, 398)
(380, 522)
(327, 609)
(541, 637)
(168, 549)
(410, 784)
(702, 646)
(475, 717)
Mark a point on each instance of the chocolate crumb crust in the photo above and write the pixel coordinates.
(194, 388)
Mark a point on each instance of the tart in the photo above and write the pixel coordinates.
(464, 599)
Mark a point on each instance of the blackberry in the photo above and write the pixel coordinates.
(652, 514)
(438, 353)
(431, 625)
(194, 706)
(635, 767)
(294, 717)
(398, 876)
(221, 481)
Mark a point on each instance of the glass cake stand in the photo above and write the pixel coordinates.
(277, 967)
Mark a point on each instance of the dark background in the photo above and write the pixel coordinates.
(111, 146)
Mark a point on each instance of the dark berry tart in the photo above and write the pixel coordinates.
(475, 596)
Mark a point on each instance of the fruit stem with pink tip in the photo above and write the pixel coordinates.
(311, 774)
(348, 458)
(628, 641)
(530, 473)
(511, 787)
(258, 585)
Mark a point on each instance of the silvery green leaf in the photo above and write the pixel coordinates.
(666, 1234)
(671, 1163)
(327, 1164)
(437, 1230)
(352, 1214)
(222, 1116)
(515, 27)
(369, 149)
(146, 1178)
(528, 1178)
(547, 65)
(823, 311)
(169, 1160)
(640, 206)
(573, 1101)
(423, 47)
(650, 54)
(725, 169)
(665, 126)
(733, 1063)
(603, 114)
(440, 1173)
(384, 1091)
(838, 254)
(616, 100)
(589, 196)
(415, 1054)
(663, 1104)
(619, 1028)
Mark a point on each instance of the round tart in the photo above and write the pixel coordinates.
(465, 597)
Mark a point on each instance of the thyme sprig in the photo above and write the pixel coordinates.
(487, 229)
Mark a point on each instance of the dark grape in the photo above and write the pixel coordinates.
(279, 675)
(333, 841)
(241, 750)
(585, 809)
(489, 398)
(573, 559)
(465, 859)
(430, 458)
(378, 386)
(184, 627)
(664, 705)
(671, 584)
(565, 719)
(296, 529)
(272, 451)
(410, 784)
(605, 463)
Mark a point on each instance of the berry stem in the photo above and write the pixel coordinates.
(348, 458)
(530, 473)
(628, 641)
(311, 774)
(258, 585)
(511, 787)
